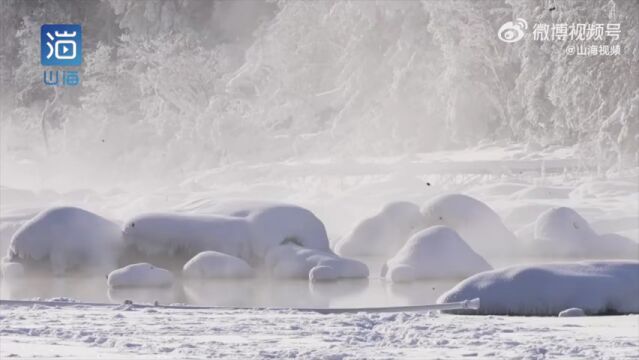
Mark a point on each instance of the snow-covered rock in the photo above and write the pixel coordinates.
(140, 275)
(293, 261)
(212, 264)
(67, 238)
(384, 233)
(183, 236)
(273, 223)
(474, 221)
(562, 232)
(597, 287)
(572, 312)
(434, 253)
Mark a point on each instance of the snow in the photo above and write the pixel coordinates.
(212, 264)
(562, 232)
(383, 233)
(434, 253)
(597, 287)
(273, 223)
(124, 332)
(139, 275)
(572, 312)
(66, 238)
(476, 223)
(182, 236)
(291, 261)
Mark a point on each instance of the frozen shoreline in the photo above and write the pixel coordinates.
(120, 332)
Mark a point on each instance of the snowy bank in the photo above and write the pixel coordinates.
(140, 275)
(562, 232)
(384, 233)
(62, 239)
(474, 221)
(597, 287)
(434, 253)
(212, 264)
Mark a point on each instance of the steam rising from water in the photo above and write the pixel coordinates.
(170, 87)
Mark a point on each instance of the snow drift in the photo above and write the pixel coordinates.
(383, 233)
(140, 275)
(562, 232)
(597, 287)
(474, 221)
(212, 264)
(434, 253)
(293, 261)
(62, 239)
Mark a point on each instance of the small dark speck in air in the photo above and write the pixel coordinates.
(552, 8)
(428, 184)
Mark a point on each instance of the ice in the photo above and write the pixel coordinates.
(139, 275)
(474, 221)
(437, 252)
(66, 238)
(562, 232)
(597, 287)
(212, 264)
(383, 233)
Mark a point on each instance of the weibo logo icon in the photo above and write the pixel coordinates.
(513, 31)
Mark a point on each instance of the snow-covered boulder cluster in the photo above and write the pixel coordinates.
(474, 221)
(596, 287)
(294, 261)
(62, 239)
(383, 233)
(181, 236)
(212, 264)
(140, 275)
(562, 232)
(434, 253)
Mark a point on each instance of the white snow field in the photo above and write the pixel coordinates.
(434, 253)
(212, 264)
(126, 332)
(383, 233)
(596, 287)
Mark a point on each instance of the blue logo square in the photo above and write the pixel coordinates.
(61, 45)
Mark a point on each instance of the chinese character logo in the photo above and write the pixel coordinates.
(513, 31)
(61, 45)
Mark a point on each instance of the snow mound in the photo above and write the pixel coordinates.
(384, 233)
(140, 275)
(597, 287)
(67, 238)
(563, 232)
(273, 223)
(293, 261)
(572, 312)
(434, 253)
(212, 264)
(182, 236)
(474, 221)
